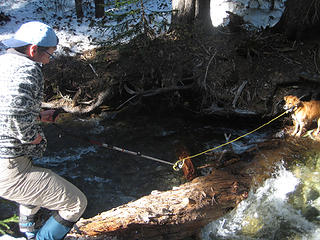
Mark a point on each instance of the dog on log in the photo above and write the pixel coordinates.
(303, 114)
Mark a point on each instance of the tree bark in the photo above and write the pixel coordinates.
(187, 12)
(170, 215)
(99, 8)
(183, 11)
(79, 12)
(203, 14)
(299, 19)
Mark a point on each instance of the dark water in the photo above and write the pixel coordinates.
(285, 206)
(110, 178)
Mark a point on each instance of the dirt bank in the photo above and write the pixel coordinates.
(222, 72)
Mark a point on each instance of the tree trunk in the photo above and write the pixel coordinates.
(299, 19)
(203, 14)
(79, 12)
(99, 8)
(188, 12)
(183, 11)
(174, 214)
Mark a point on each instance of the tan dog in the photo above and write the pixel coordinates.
(303, 113)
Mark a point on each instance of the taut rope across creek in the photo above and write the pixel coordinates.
(178, 164)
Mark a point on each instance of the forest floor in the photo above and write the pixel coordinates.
(227, 71)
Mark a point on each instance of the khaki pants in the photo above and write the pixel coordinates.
(34, 187)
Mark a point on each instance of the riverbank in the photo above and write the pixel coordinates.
(236, 74)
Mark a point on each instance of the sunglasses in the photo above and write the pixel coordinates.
(51, 56)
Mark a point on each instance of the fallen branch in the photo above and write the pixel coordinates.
(207, 69)
(67, 107)
(93, 70)
(306, 76)
(151, 92)
(240, 89)
(157, 91)
(219, 111)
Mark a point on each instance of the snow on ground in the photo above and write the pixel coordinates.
(73, 34)
(8, 237)
(259, 13)
(23, 11)
(78, 36)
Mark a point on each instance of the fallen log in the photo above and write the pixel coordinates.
(184, 210)
(173, 214)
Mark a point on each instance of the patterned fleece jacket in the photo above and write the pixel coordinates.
(21, 93)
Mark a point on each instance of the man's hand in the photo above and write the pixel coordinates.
(48, 116)
(37, 140)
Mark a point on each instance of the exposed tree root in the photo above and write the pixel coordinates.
(67, 106)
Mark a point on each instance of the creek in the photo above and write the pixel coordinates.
(285, 206)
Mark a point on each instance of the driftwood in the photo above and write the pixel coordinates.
(70, 106)
(173, 214)
(219, 111)
(153, 92)
(238, 94)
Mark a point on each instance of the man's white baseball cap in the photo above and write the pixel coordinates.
(36, 33)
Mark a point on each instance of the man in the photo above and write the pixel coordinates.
(21, 137)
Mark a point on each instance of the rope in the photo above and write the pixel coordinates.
(179, 164)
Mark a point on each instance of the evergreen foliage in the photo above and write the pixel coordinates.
(4, 227)
(129, 18)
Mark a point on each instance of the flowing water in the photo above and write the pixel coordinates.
(268, 213)
(285, 206)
